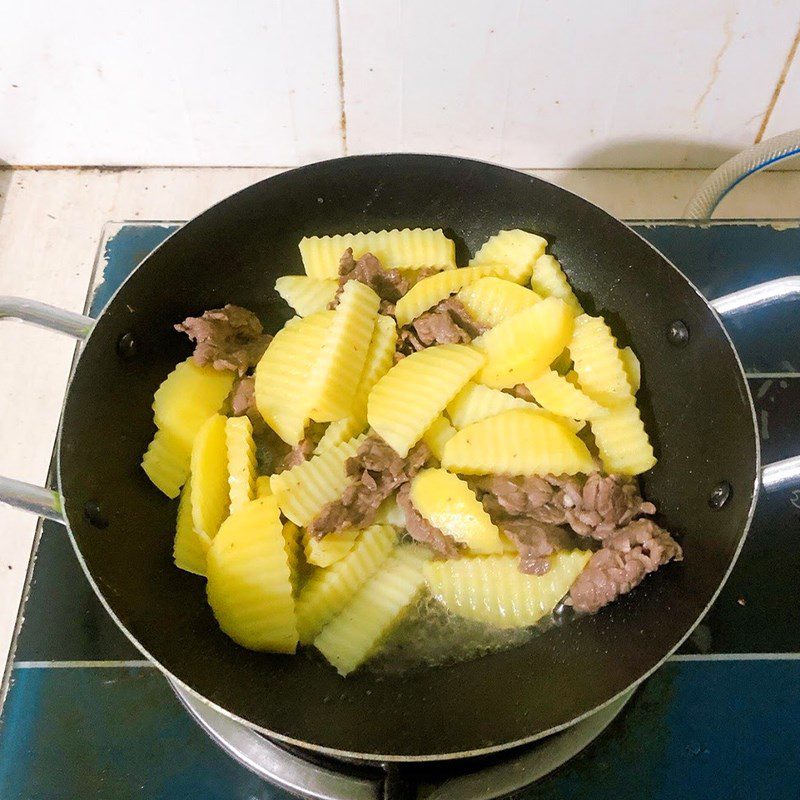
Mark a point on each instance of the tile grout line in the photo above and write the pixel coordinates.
(776, 93)
(340, 54)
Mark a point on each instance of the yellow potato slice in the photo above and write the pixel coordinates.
(449, 504)
(429, 291)
(293, 543)
(522, 346)
(404, 403)
(410, 248)
(241, 461)
(633, 368)
(263, 488)
(249, 586)
(476, 402)
(555, 393)
(549, 280)
(491, 300)
(190, 547)
(622, 441)
(333, 381)
(328, 591)
(491, 589)
(306, 295)
(439, 433)
(329, 549)
(358, 631)
(598, 363)
(302, 491)
(515, 248)
(166, 462)
(517, 442)
(282, 375)
(210, 494)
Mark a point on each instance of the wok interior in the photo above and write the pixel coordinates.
(695, 406)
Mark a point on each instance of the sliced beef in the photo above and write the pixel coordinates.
(226, 338)
(421, 530)
(242, 402)
(597, 507)
(521, 391)
(375, 472)
(606, 504)
(448, 322)
(626, 557)
(389, 284)
(304, 449)
(535, 542)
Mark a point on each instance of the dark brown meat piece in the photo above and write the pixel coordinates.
(521, 391)
(633, 552)
(421, 530)
(388, 284)
(304, 449)
(242, 401)
(226, 338)
(448, 322)
(376, 471)
(596, 508)
(535, 542)
(606, 504)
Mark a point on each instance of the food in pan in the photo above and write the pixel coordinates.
(418, 435)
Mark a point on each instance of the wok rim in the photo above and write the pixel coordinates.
(389, 757)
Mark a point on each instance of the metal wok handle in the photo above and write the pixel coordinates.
(27, 496)
(773, 476)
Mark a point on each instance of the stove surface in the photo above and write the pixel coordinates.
(85, 716)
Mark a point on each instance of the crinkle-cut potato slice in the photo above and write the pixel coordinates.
(333, 381)
(330, 548)
(490, 300)
(449, 504)
(281, 386)
(404, 403)
(598, 362)
(190, 547)
(241, 461)
(549, 280)
(633, 368)
(522, 346)
(622, 440)
(306, 295)
(491, 589)
(358, 631)
(409, 248)
(249, 586)
(210, 493)
(429, 291)
(389, 513)
(476, 402)
(517, 442)
(189, 395)
(518, 249)
(380, 357)
(328, 591)
(555, 393)
(439, 433)
(302, 491)
(263, 488)
(166, 462)
(293, 541)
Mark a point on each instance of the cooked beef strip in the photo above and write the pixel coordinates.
(389, 284)
(521, 391)
(242, 401)
(304, 449)
(596, 508)
(376, 471)
(421, 530)
(448, 322)
(625, 558)
(226, 338)
(535, 542)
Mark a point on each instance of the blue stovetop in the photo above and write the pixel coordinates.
(84, 717)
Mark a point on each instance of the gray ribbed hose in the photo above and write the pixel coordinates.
(736, 169)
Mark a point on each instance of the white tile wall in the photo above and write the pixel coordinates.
(531, 83)
(178, 82)
(553, 84)
(786, 114)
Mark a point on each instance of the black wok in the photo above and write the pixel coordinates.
(695, 401)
